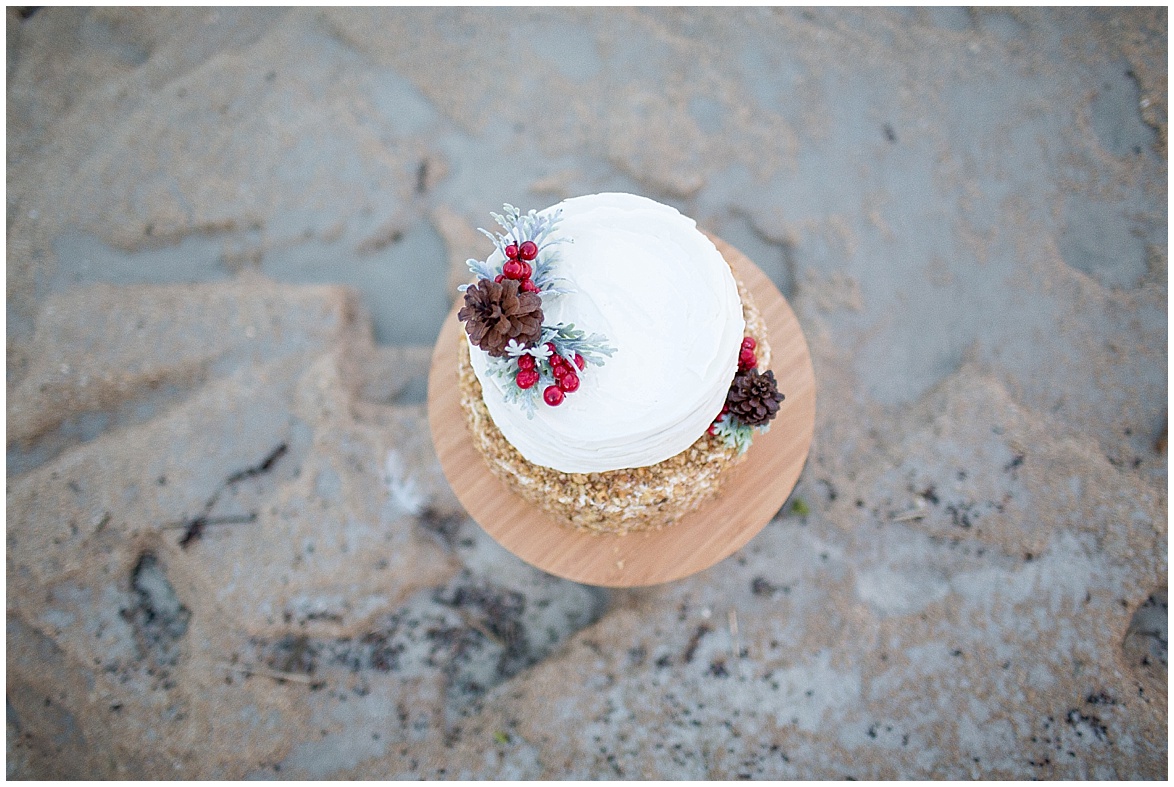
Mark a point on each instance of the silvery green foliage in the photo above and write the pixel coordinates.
(735, 433)
(569, 340)
(521, 227)
(539, 351)
(505, 370)
(482, 270)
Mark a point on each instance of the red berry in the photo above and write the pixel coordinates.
(712, 429)
(558, 370)
(527, 271)
(499, 278)
(511, 251)
(569, 382)
(526, 362)
(582, 364)
(725, 409)
(552, 396)
(748, 343)
(512, 269)
(528, 285)
(528, 250)
(526, 378)
(747, 359)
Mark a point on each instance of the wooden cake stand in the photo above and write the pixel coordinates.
(748, 499)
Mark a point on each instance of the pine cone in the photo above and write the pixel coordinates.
(754, 398)
(495, 312)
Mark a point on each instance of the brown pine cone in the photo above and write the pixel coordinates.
(754, 398)
(495, 312)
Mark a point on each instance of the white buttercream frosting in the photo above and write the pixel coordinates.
(660, 292)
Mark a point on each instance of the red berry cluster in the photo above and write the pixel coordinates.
(566, 378)
(747, 359)
(518, 267)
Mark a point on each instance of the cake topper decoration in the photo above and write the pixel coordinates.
(752, 402)
(503, 314)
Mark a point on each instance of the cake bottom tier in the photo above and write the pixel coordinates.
(616, 501)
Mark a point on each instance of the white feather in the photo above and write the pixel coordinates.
(404, 489)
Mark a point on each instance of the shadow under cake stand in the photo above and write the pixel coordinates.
(749, 497)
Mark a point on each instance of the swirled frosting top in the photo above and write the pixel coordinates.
(646, 278)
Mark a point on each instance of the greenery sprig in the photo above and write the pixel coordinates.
(735, 433)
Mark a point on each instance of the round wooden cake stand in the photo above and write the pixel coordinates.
(749, 497)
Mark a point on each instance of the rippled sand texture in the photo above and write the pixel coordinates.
(233, 235)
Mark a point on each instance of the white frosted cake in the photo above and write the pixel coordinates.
(611, 372)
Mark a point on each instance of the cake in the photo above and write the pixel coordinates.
(614, 368)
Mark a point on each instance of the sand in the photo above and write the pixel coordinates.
(232, 238)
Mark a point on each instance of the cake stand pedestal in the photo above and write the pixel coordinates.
(748, 499)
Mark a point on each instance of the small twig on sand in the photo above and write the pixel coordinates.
(917, 512)
(269, 673)
(736, 641)
(215, 520)
(194, 528)
(480, 627)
